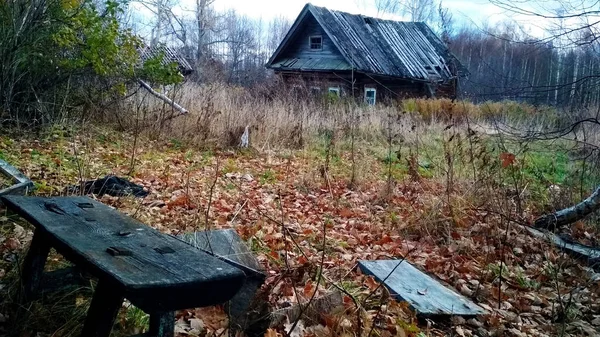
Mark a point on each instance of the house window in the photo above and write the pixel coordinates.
(315, 91)
(334, 91)
(315, 43)
(370, 96)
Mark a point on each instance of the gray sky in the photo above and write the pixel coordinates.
(479, 12)
(464, 11)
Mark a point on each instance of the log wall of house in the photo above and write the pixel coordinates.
(387, 89)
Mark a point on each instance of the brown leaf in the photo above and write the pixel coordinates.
(346, 213)
(309, 288)
(271, 333)
(507, 159)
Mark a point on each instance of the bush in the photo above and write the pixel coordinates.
(58, 55)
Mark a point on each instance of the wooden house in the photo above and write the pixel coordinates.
(167, 55)
(327, 51)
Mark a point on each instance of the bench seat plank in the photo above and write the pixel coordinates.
(156, 272)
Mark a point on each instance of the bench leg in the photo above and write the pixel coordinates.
(33, 265)
(103, 311)
(162, 324)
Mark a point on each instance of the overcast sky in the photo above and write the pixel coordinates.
(479, 12)
(465, 12)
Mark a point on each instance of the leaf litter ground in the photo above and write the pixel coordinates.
(307, 227)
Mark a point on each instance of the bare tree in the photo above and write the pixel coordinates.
(415, 10)
(445, 23)
(573, 28)
(203, 22)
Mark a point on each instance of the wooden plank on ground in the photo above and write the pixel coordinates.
(17, 182)
(590, 255)
(225, 243)
(247, 311)
(426, 295)
(155, 271)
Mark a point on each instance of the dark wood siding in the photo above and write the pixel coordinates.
(388, 90)
(299, 46)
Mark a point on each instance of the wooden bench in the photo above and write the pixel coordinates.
(155, 272)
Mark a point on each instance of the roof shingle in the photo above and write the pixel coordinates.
(380, 47)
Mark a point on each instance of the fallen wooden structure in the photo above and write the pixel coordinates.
(247, 311)
(425, 295)
(20, 184)
(156, 272)
(588, 255)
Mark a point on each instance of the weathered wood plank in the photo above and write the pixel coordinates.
(162, 324)
(590, 255)
(426, 295)
(103, 311)
(156, 272)
(300, 46)
(33, 265)
(225, 243)
(63, 280)
(22, 184)
(246, 313)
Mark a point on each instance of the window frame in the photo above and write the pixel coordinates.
(310, 43)
(335, 90)
(367, 100)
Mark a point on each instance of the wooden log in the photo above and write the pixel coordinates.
(163, 98)
(570, 215)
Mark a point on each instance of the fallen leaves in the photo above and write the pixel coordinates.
(282, 210)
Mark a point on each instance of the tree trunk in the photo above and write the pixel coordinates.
(570, 215)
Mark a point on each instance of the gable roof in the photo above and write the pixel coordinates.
(374, 46)
(168, 54)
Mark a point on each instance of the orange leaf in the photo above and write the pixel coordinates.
(385, 239)
(302, 260)
(346, 213)
(271, 333)
(371, 283)
(507, 158)
(274, 255)
(309, 288)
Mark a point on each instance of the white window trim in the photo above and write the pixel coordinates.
(371, 89)
(335, 90)
(310, 42)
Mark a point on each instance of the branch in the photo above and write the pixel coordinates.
(570, 215)
(182, 111)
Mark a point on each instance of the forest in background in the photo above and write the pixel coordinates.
(505, 61)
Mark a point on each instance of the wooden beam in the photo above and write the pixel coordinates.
(163, 98)
(22, 184)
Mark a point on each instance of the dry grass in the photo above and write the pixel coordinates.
(4, 182)
(218, 114)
